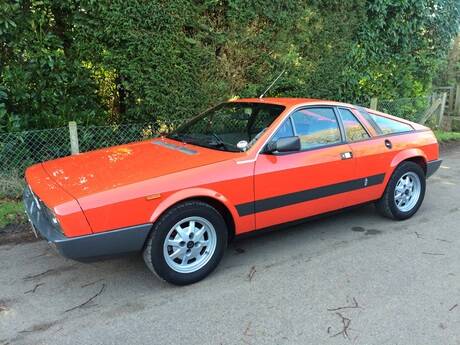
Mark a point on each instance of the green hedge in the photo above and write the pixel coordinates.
(115, 61)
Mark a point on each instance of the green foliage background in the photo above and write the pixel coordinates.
(124, 61)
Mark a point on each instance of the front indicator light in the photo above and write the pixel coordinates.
(153, 196)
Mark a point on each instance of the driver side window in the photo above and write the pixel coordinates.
(316, 127)
(285, 130)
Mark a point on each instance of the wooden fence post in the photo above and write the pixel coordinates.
(430, 111)
(374, 102)
(457, 100)
(73, 132)
(443, 108)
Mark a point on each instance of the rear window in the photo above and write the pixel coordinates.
(389, 126)
(384, 125)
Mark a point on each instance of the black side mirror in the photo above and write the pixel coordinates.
(286, 144)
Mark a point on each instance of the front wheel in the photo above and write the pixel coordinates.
(186, 243)
(404, 193)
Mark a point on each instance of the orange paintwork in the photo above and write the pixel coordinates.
(277, 175)
(108, 189)
(62, 204)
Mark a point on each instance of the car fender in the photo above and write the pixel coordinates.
(406, 154)
(191, 193)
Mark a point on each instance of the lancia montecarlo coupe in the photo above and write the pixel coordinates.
(242, 166)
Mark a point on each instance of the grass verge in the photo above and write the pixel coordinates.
(444, 136)
(11, 212)
(11, 185)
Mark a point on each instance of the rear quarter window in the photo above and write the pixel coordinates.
(390, 126)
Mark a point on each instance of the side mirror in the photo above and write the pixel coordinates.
(286, 144)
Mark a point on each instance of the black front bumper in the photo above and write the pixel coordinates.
(88, 247)
(432, 167)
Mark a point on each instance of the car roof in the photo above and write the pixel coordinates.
(289, 101)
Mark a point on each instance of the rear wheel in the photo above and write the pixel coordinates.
(404, 193)
(186, 243)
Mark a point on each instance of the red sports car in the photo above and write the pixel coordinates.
(242, 166)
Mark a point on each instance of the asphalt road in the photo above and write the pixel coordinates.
(352, 278)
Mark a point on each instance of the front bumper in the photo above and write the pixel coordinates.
(432, 167)
(83, 248)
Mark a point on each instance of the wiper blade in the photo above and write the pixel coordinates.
(187, 139)
(181, 137)
(219, 142)
(226, 146)
(216, 143)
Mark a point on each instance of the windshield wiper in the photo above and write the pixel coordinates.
(216, 143)
(227, 146)
(188, 139)
(219, 142)
(181, 137)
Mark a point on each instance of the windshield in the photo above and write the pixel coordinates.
(229, 126)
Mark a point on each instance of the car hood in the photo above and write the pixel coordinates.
(101, 170)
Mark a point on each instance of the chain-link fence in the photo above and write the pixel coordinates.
(21, 149)
(411, 109)
(18, 150)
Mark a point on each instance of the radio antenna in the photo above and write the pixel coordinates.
(273, 83)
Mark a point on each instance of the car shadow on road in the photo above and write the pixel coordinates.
(268, 247)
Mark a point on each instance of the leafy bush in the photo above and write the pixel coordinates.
(117, 61)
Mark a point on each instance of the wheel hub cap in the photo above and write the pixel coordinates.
(190, 244)
(407, 192)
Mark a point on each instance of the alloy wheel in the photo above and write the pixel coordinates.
(407, 191)
(190, 244)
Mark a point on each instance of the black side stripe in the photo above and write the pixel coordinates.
(308, 195)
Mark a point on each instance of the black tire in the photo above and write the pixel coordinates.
(387, 206)
(153, 251)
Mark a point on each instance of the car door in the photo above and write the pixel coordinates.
(314, 180)
(373, 154)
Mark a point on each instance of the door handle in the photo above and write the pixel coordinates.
(346, 155)
(388, 144)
